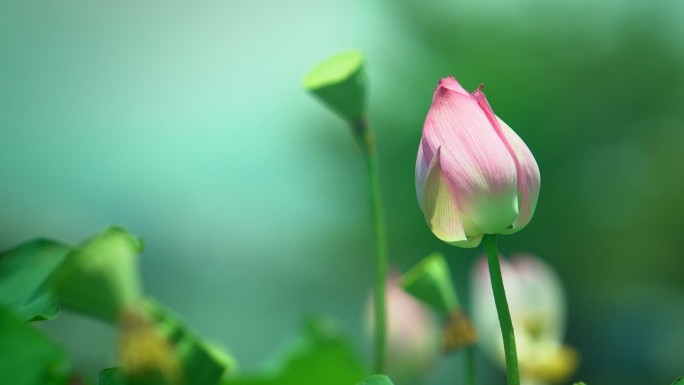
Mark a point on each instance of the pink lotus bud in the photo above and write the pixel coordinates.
(474, 175)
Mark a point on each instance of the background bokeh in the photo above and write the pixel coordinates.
(186, 123)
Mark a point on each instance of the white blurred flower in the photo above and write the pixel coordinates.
(538, 311)
(413, 334)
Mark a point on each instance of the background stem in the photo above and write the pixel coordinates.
(470, 365)
(367, 145)
(504, 314)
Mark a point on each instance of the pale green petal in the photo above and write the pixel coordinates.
(439, 205)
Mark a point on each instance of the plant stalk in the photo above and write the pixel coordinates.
(470, 365)
(502, 310)
(367, 145)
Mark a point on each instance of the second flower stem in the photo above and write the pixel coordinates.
(470, 365)
(502, 310)
(367, 145)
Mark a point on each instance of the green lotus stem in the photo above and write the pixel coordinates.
(470, 365)
(367, 145)
(504, 314)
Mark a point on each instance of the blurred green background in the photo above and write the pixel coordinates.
(187, 124)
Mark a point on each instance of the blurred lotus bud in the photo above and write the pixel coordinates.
(413, 334)
(474, 175)
(538, 311)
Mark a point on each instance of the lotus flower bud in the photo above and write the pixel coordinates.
(474, 175)
(538, 311)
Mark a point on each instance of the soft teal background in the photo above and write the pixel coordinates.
(186, 123)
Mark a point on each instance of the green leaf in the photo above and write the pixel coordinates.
(679, 381)
(28, 357)
(430, 282)
(340, 82)
(580, 383)
(377, 379)
(202, 363)
(23, 273)
(321, 355)
(111, 376)
(101, 277)
(116, 376)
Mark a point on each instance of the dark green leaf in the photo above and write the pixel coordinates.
(201, 362)
(28, 357)
(679, 381)
(23, 273)
(116, 376)
(111, 376)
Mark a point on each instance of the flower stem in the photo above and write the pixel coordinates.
(367, 145)
(470, 365)
(505, 323)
